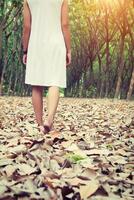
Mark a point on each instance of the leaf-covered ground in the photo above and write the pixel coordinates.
(89, 154)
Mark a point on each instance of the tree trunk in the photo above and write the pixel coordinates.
(131, 86)
(99, 76)
(4, 65)
(0, 60)
(120, 68)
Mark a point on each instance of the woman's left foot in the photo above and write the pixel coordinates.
(41, 128)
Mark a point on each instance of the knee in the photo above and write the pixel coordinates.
(53, 87)
(37, 88)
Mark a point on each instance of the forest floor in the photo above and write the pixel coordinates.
(88, 155)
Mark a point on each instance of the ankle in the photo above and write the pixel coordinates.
(40, 124)
(49, 121)
(50, 118)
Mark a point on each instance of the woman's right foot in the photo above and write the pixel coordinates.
(48, 126)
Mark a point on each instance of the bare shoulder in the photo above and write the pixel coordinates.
(26, 13)
(64, 5)
(64, 2)
(25, 2)
(64, 13)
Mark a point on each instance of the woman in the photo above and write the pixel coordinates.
(46, 53)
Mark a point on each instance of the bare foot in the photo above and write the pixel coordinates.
(41, 128)
(48, 124)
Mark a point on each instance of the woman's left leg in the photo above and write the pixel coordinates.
(53, 100)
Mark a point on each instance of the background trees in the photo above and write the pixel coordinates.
(10, 46)
(102, 49)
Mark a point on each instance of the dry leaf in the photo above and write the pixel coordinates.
(88, 189)
(96, 134)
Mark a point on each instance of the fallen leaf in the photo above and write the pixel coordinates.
(88, 189)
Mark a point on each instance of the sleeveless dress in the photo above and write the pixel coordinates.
(46, 56)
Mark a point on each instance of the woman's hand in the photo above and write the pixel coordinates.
(24, 59)
(68, 58)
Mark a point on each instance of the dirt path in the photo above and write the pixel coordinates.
(89, 154)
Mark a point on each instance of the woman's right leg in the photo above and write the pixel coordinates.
(37, 100)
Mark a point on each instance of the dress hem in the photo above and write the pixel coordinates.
(47, 85)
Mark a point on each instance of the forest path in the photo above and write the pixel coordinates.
(89, 154)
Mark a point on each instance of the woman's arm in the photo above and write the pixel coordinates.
(26, 26)
(66, 29)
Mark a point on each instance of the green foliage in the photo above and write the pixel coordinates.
(74, 158)
(102, 38)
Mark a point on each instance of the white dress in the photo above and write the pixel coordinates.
(46, 57)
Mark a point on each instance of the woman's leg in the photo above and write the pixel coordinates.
(37, 100)
(53, 100)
